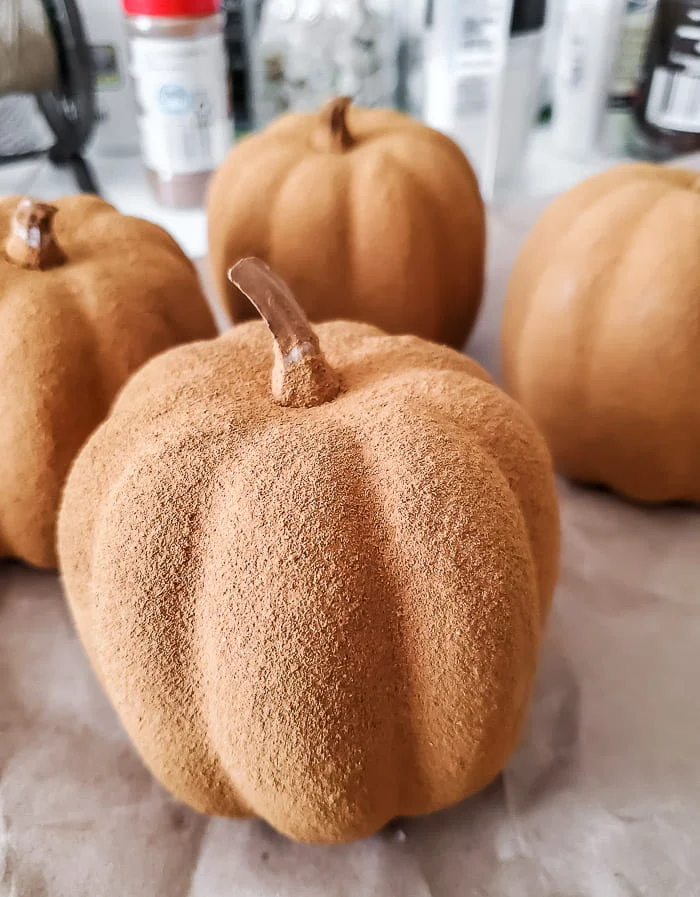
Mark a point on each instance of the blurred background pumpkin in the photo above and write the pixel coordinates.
(88, 295)
(601, 331)
(368, 214)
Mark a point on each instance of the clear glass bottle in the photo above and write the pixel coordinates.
(178, 63)
(310, 50)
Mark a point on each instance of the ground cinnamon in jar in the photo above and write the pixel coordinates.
(178, 62)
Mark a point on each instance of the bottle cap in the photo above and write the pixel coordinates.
(171, 8)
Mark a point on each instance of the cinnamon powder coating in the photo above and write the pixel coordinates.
(368, 214)
(601, 331)
(87, 295)
(326, 617)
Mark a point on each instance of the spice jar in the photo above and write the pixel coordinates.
(178, 63)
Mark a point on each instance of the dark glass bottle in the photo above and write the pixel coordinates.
(241, 20)
(667, 110)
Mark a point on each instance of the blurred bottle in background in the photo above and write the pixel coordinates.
(242, 18)
(588, 43)
(482, 81)
(521, 89)
(667, 111)
(308, 50)
(413, 20)
(178, 63)
(554, 19)
(634, 33)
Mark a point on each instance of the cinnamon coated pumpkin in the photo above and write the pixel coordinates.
(367, 214)
(601, 331)
(316, 598)
(86, 296)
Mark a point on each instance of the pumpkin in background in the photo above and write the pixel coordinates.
(320, 605)
(601, 331)
(85, 299)
(367, 214)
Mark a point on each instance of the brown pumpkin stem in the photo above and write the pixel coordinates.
(301, 376)
(332, 134)
(32, 242)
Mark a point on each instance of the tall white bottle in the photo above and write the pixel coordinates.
(588, 45)
(465, 77)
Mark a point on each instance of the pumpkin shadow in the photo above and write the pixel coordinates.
(545, 761)
(603, 489)
(606, 537)
(479, 840)
(76, 798)
(15, 575)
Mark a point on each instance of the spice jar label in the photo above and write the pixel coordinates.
(181, 91)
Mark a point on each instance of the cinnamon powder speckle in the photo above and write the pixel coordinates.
(114, 292)
(327, 617)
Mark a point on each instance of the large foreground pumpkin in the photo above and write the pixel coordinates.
(86, 297)
(320, 604)
(601, 331)
(368, 215)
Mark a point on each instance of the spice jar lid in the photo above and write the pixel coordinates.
(172, 8)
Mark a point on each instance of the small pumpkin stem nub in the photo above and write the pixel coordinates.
(333, 135)
(301, 376)
(32, 242)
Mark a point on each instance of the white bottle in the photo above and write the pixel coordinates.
(589, 41)
(483, 76)
(550, 49)
(465, 78)
(521, 85)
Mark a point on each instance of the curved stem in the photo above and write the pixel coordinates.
(301, 376)
(332, 134)
(32, 243)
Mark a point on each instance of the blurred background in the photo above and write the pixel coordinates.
(139, 100)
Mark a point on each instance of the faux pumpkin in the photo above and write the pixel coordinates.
(367, 214)
(317, 601)
(85, 299)
(601, 331)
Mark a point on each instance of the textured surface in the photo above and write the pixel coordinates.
(601, 331)
(390, 231)
(601, 797)
(327, 617)
(70, 337)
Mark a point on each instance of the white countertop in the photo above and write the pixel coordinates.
(122, 181)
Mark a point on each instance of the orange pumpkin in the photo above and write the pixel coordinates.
(318, 601)
(86, 298)
(601, 331)
(366, 213)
